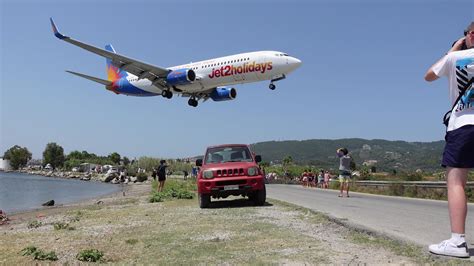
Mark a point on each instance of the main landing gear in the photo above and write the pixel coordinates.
(272, 86)
(193, 102)
(167, 94)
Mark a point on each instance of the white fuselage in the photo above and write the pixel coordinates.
(229, 70)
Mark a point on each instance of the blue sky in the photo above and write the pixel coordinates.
(362, 72)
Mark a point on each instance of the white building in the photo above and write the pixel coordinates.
(5, 164)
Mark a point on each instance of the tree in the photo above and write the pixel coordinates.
(54, 155)
(17, 156)
(288, 160)
(115, 158)
(126, 161)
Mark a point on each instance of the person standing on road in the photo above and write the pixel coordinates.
(458, 66)
(344, 170)
(161, 172)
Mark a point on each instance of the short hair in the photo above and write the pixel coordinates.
(344, 151)
(163, 161)
(468, 28)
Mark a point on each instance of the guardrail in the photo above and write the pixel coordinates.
(424, 184)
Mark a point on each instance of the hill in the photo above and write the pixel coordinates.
(385, 155)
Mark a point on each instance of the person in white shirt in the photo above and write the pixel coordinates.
(458, 156)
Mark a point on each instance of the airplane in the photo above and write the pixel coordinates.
(203, 80)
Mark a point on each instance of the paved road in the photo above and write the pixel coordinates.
(422, 222)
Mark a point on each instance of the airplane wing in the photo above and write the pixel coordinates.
(143, 70)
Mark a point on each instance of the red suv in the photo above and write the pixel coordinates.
(230, 169)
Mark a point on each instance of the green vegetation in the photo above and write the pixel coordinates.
(173, 189)
(62, 226)
(90, 255)
(39, 254)
(54, 155)
(131, 241)
(34, 224)
(17, 156)
(390, 155)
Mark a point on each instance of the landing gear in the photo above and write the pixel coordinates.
(277, 78)
(193, 102)
(167, 94)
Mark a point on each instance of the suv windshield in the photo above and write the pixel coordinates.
(228, 154)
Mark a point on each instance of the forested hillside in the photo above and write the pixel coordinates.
(389, 155)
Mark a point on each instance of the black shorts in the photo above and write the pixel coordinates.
(459, 148)
(161, 177)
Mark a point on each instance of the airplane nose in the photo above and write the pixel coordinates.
(295, 61)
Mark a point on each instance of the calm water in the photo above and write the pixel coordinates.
(21, 192)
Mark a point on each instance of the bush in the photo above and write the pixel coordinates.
(141, 177)
(39, 254)
(90, 255)
(34, 224)
(173, 189)
(156, 197)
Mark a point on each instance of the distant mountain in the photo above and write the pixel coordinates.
(385, 155)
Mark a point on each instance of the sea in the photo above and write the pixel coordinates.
(23, 192)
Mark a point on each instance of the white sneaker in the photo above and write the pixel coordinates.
(450, 249)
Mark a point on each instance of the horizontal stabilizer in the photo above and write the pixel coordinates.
(102, 81)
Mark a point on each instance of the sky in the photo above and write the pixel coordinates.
(361, 77)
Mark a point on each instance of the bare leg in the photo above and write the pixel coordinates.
(341, 187)
(347, 189)
(456, 182)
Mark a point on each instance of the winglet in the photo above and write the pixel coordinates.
(55, 30)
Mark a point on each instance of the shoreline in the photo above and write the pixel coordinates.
(129, 191)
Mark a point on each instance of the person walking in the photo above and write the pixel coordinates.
(458, 66)
(161, 172)
(344, 170)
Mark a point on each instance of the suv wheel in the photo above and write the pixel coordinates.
(204, 200)
(260, 197)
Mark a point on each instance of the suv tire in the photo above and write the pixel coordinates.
(204, 200)
(260, 197)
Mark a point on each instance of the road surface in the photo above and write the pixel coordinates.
(422, 222)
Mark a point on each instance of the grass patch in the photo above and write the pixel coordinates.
(131, 241)
(34, 224)
(62, 226)
(39, 254)
(399, 248)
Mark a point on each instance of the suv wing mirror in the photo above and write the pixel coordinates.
(258, 158)
(199, 162)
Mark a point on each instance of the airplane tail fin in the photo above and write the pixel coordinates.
(113, 72)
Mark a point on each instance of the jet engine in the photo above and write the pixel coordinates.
(180, 77)
(223, 94)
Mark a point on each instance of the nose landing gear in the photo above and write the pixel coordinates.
(277, 78)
